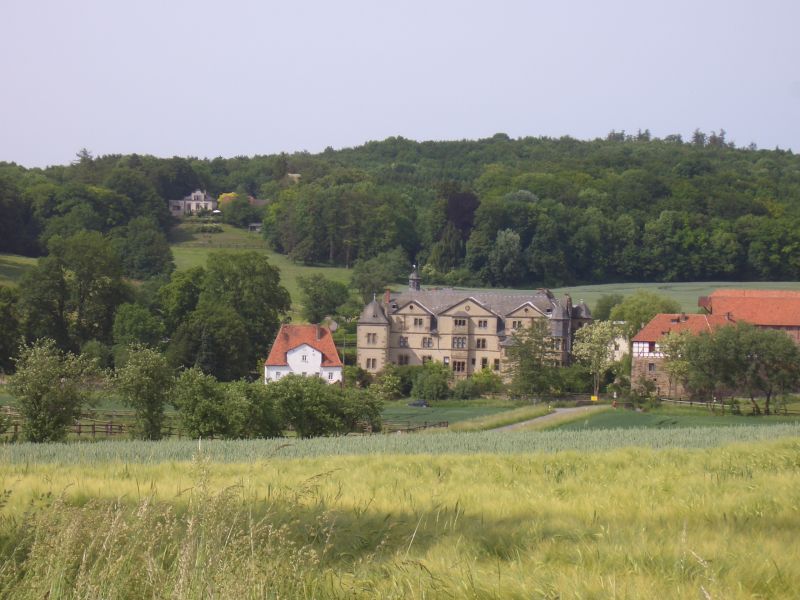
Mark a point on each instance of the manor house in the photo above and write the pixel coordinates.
(467, 331)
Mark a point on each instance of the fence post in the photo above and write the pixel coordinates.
(94, 430)
(78, 429)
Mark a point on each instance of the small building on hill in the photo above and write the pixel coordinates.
(306, 350)
(197, 201)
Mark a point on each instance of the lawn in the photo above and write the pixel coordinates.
(670, 418)
(400, 412)
(632, 522)
(13, 266)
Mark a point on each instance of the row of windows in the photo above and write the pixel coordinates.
(427, 342)
(305, 374)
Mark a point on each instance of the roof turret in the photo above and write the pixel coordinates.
(373, 314)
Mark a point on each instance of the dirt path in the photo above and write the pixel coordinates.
(551, 417)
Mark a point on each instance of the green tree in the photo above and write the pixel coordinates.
(200, 403)
(50, 388)
(593, 349)
(373, 275)
(308, 405)
(215, 340)
(506, 266)
(10, 329)
(135, 324)
(530, 360)
(639, 308)
(72, 294)
(673, 346)
(431, 382)
(250, 411)
(321, 297)
(180, 296)
(143, 248)
(604, 305)
(144, 384)
(249, 285)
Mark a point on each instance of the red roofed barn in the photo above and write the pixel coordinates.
(306, 350)
(770, 309)
(648, 360)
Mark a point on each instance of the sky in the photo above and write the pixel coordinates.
(243, 77)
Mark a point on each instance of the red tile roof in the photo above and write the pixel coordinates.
(768, 308)
(665, 323)
(292, 336)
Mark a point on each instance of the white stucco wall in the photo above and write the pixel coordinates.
(303, 360)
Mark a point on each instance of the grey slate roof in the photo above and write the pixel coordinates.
(373, 315)
(441, 299)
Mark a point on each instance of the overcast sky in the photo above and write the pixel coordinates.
(239, 77)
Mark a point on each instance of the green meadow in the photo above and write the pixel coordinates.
(12, 267)
(192, 250)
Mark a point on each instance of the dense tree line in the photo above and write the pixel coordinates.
(496, 211)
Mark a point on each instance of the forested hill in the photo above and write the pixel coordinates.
(496, 211)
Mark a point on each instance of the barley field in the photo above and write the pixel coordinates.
(717, 521)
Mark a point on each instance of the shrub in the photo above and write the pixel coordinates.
(431, 382)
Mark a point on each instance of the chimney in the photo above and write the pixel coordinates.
(387, 296)
(317, 331)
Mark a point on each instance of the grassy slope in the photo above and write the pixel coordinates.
(188, 254)
(13, 266)
(629, 523)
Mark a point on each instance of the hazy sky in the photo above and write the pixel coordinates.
(241, 77)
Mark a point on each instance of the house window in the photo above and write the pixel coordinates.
(460, 322)
(304, 358)
(446, 360)
(418, 322)
(371, 363)
(483, 324)
(516, 324)
(556, 343)
(496, 364)
(403, 341)
(330, 375)
(278, 375)
(402, 359)
(459, 366)
(473, 361)
(651, 347)
(651, 367)
(427, 359)
(372, 338)
(427, 342)
(480, 343)
(459, 342)
(484, 362)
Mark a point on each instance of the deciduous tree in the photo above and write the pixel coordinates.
(50, 387)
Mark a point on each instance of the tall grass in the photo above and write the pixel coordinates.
(629, 523)
(494, 442)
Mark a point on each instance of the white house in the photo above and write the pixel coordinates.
(306, 350)
(195, 202)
